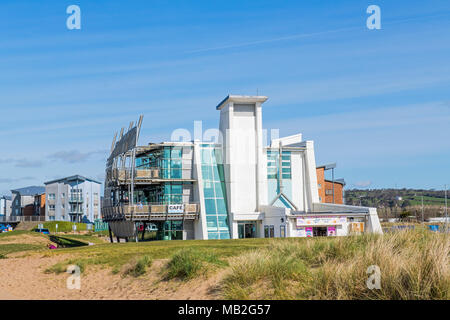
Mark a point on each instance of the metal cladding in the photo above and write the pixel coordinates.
(127, 142)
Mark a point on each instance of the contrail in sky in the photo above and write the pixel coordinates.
(306, 35)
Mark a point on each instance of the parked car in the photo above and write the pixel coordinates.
(149, 227)
(43, 231)
(152, 227)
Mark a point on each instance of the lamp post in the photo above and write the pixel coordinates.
(360, 197)
(446, 211)
(423, 216)
(331, 167)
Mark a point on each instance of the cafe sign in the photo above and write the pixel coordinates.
(175, 208)
(321, 221)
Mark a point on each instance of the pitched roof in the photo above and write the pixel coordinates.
(340, 181)
(30, 191)
(72, 178)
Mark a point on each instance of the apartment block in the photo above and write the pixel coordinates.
(75, 198)
(22, 202)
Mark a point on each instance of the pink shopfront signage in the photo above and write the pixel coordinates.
(331, 231)
(320, 220)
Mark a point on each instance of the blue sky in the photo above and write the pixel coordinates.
(377, 102)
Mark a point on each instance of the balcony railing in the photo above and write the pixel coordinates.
(76, 199)
(151, 212)
(124, 175)
(76, 212)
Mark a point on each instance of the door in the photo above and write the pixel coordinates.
(241, 231)
(247, 230)
(250, 230)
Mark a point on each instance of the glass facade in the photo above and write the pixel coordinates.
(273, 164)
(169, 162)
(169, 230)
(214, 192)
(165, 193)
(273, 171)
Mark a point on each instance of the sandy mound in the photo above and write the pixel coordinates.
(24, 278)
(25, 239)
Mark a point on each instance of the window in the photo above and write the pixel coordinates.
(51, 207)
(283, 231)
(269, 231)
(214, 192)
(51, 196)
(63, 195)
(286, 164)
(320, 186)
(173, 193)
(62, 205)
(211, 222)
(223, 222)
(171, 163)
(273, 164)
(210, 206)
(329, 192)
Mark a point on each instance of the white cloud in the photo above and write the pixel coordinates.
(363, 184)
(74, 156)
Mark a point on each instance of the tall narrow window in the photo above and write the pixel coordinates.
(214, 192)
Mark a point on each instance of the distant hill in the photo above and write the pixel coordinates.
(396, 202)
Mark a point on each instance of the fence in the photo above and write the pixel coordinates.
(100, 225)
(14, 219)
(152, 211)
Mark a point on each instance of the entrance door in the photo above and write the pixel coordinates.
(250, 230)
(247, 230)
(320, 231)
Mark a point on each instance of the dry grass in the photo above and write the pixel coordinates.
(139, 268)
(413, 264)
(189, 263)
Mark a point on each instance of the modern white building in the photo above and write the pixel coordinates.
(74, 198)
(231, 187)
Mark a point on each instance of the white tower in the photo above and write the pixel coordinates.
(244, 161)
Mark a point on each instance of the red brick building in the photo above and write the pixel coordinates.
(326, 188)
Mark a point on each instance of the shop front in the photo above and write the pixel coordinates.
(321, 226)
